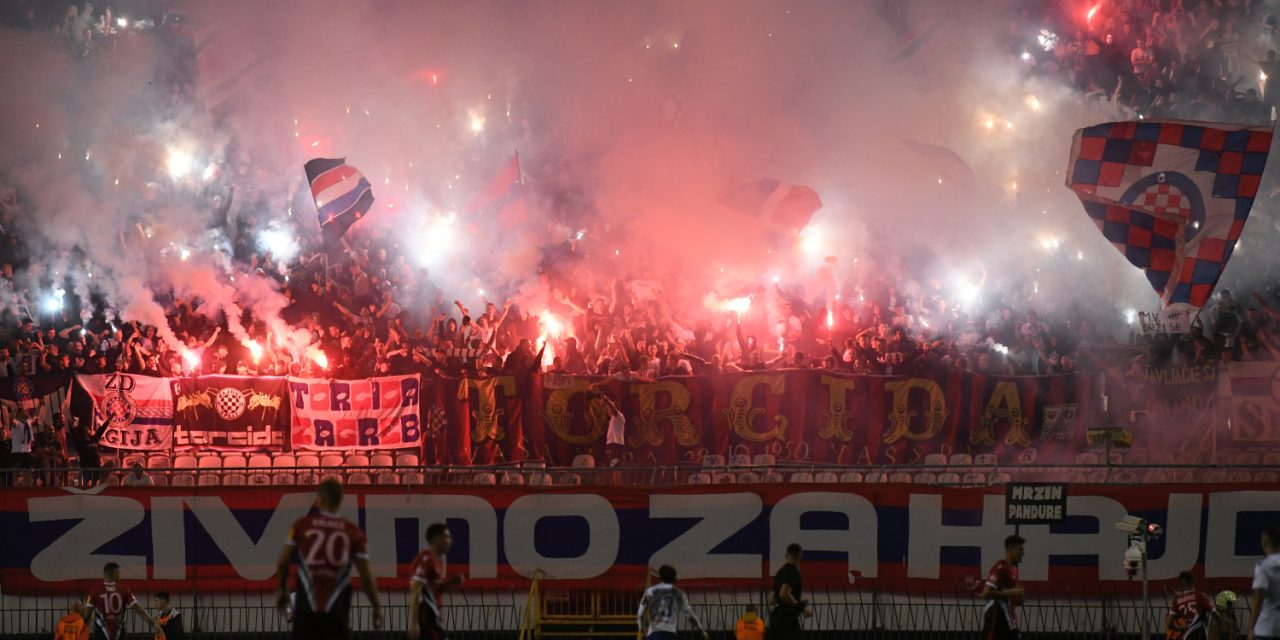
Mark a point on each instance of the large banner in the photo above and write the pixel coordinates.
(377, 413)
(1254, 394)
(137, 409)
(812, 416)
(230, 412)
(874, 536)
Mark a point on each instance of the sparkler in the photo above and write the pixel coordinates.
(255, 349)
(184, 253)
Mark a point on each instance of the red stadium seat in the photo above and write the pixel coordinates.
(801, 477)
(826, 477)
(925, 477)
(851, 477)
(700, 478)
(724, 477)
(748, 477)
(413, 477)
(961, 459)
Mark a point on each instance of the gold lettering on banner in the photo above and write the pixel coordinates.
(650, 417)
(1005, 404)
(900, 416)
(558, 417)
(742, 415)
(484, 420)
(837, 414)
(194, 400)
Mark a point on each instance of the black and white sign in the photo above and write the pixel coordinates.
(1035, 503)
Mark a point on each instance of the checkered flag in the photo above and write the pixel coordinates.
(1173, 197)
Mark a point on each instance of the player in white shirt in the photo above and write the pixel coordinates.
(661, 606)
(1265, 603)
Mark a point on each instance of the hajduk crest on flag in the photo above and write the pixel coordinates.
(342, 194)
(1172, 196)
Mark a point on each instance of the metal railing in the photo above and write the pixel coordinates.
(517, 474)
(498, 614)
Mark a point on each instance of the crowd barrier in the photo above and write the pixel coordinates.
(849, 613)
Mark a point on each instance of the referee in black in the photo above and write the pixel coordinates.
(788, 604)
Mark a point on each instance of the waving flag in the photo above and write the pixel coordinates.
(1173, 197)
(778, 204)
(504, 194)
(342, 195)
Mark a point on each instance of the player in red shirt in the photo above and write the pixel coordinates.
(325, 546)
(427, 583)
(1192, 615)
(1003, 594)
(108, 603)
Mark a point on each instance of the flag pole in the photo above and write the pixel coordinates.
(519, 171)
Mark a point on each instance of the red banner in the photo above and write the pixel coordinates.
(805, 416)
(881, 536)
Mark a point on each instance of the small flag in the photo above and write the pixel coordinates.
(504, 194)
(342, 195)
(1173, 197)
(778, 204)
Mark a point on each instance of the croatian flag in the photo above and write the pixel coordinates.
(1173, 197)
(342, 194)
(778, 204)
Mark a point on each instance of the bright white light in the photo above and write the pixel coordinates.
(967, 291)
(122, 22)
(208, 172)
(437, 239)
(178, 163)
(1026, 57)
(191, 357)
(1048, 40)
(184, 253)
(1000, 349)
(53, 303)
(1050, 243)
(989, 123)
(1079, 255)
(477, 120)
(777, 278)
(1034, 103)
(1130, 316)
(317, 356)
(282, 245)
(812, 242)
(255, 349)
(1262, 75)
(580, 234)
(737, 305)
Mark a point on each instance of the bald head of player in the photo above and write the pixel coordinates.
(329, 496)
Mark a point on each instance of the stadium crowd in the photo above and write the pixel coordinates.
(370, 309)
(1192, 59)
